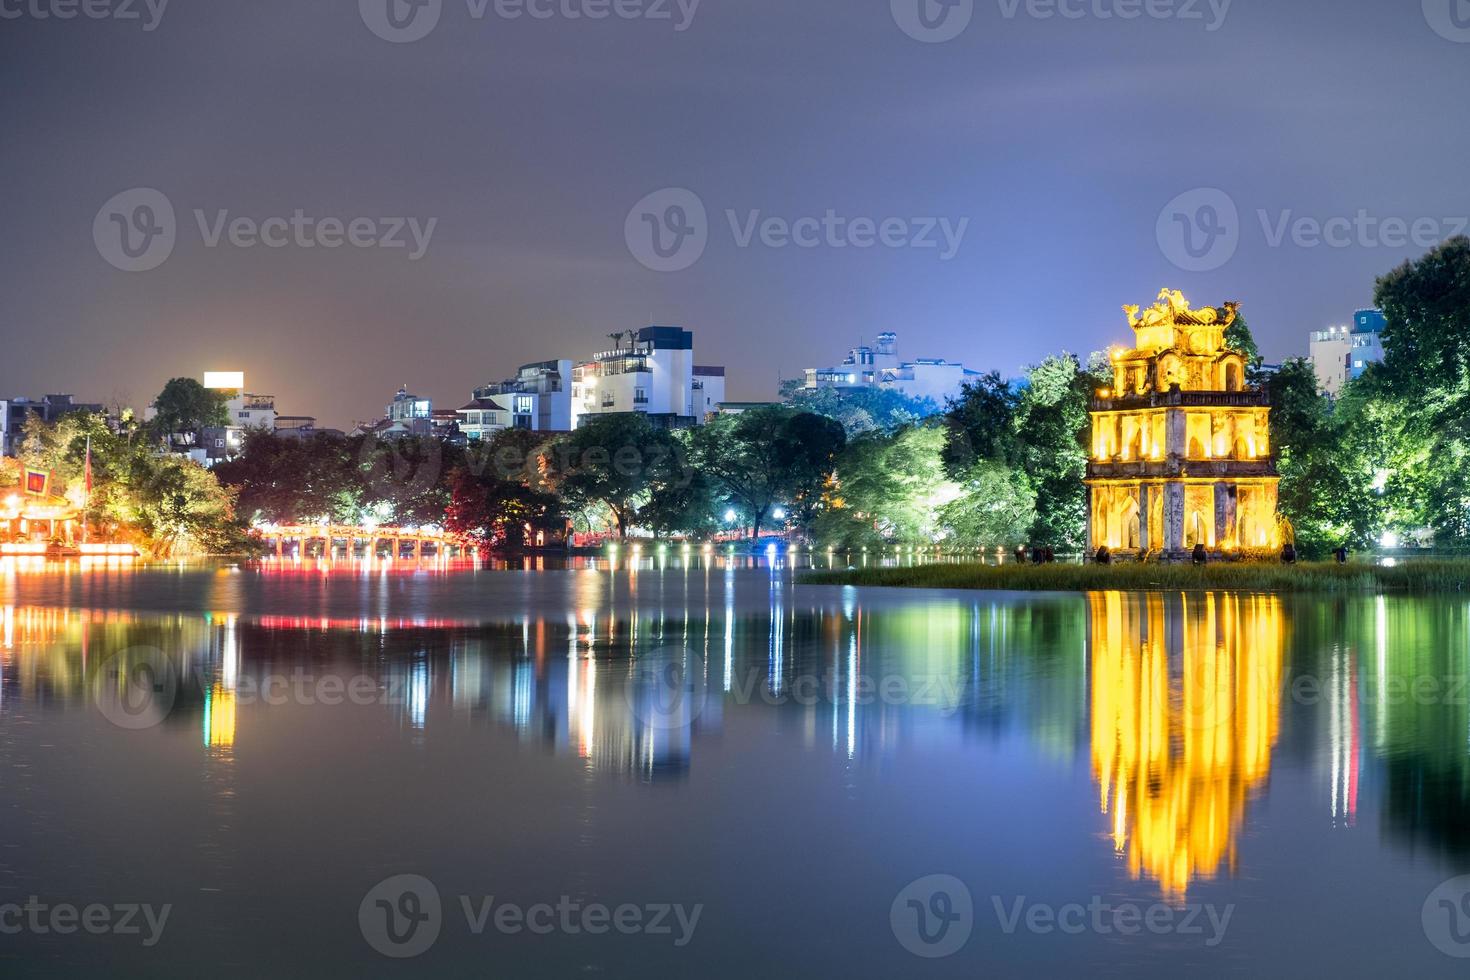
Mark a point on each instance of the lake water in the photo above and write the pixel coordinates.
(699, 770)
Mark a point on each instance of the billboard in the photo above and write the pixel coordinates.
(225, 380)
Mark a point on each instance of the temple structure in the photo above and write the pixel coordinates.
(1181, 446)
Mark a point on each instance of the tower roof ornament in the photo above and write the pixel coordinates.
(1172, 310)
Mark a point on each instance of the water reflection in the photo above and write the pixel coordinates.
(1175, 706)
(1185, 713)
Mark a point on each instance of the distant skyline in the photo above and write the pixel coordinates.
(432, 196)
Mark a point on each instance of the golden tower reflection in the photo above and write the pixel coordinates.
(1185, 712)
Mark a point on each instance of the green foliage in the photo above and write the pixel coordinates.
(1326, 486)
(859, 410)
(982, 423)
(166, 504)
(176, 502)
(1423, 388)
(1238, 337)
(769, 456)
(497, 512)
(996, 508)
(1052, 420)
(616, 461)
(889, 488)
(186, 406)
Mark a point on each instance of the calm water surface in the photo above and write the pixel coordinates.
(1123, 784)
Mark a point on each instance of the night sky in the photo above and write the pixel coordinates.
(1056, 144)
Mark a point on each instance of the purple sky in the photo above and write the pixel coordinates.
(1059, 140)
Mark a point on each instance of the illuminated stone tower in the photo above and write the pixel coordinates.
(1181, 450)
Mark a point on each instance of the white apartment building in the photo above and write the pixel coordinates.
(651, 371)
(879, 367)
(1342, 354)
(538, 398)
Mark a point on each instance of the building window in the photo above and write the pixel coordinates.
(640, 396)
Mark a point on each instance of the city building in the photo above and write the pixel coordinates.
(15, 411)
(538, 398)
(1340, 354)
(650, 371)
(880, 368)
(409, 408)
(1181, 452)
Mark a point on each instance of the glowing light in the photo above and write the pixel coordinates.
(1389, 540)
(730, 516)
(779, 513)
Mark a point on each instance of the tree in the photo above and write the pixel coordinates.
(496, 512)
(181, 508)
(768, 456)
(1052, 422)
(982, 423)
(996, 509)
(613, 460)
(1238, 337)
(185, 406)
(889, 489)
(1326, 487)
(1424, 387)
(283, 480)
(859, 410)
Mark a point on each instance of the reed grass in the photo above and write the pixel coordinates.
(1409, 577)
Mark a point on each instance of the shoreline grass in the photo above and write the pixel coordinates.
(1409, 577)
